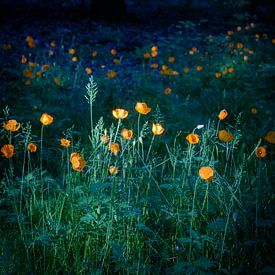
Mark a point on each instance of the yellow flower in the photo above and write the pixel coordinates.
(171, 59)
(46, 119)
(154, 53)
(77, 161)
(223, 114)
(206, 173)
(114, 148)
(199, 68)
(260, 152)
(120, 113)
(74, 58)
(88, 70)
(32, 147)
(225, 136)
(157, 129)
(65, 142)
(270, 137)
(113, 170)
(142, 108)
(7, 150)
(71, 51)
(193, 138)
(111, 74)
(154, 48)
(11, 125)
(127, 134)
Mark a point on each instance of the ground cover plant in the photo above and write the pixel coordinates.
(137, 153)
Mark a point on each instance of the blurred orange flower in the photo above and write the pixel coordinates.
(223, 114)
(127, 134)
(32, 147)
(225, 136)
(114, 148)
(105, 138)
(46, 119)
(167, 91)
(72, 51)
(206, 173)
(11, 125)
(65, 142)
(270, 137)
(77, 161)
(7, 150)
(113, 51)
(146, 55)
(260, 152)
(111, 74)
(88, 70)
(171, 59)
(113, 170)
(193, 138)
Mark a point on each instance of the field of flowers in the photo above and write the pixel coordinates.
(129, 157)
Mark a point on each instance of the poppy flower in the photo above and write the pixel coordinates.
(77, 161)
(7, 151)
(223, 114)
(146, 55)
(254, 111)
(260, 152)
(239, 45)
(229, 33)
(11, 125)
(27, 82)
(38, 74)
(113, 170)
(32, 147)
(230, 70)
(157, 129)
(114, 148)
(94, 53)
(218, 74)
(24, 59)
(142, 108)
(57, 81)
(30, 41)
(28, 73)
(193, 138)
(72, 51)
(120, 113)
(199, 68)
(171, 59)
(239, 28)
(186, 69)
(225, 136)
(164, 67)
(113, 51)
(154, 53)
(168, 72)
(6, 47)
(167, 91)
(111, 74)
(127, 134)
(154, 48)
(74, 58)
(245, 58)
(65, 142)
(53, 44)
(46, 67)
(206, 173)
(116, 60)
(154, 65)
(270, 137)
(88, 70)
(105, 138)
(46, 119)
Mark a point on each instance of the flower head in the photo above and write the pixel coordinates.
(223, 114)
(206, 173)
(11, 125)
(7, 150)
(270, 137)
(46, 119)
(127, 134)
(120, 113)
(105, 138)
(77, 161)
(193, 138)
(113, 170)
(225, 136)
(142, 108)
(65, 142)
(260, 152)
(32, 147)
(114, 148)
(157, 129)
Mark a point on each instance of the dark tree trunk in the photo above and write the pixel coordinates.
(108, 9)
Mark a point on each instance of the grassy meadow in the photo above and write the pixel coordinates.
(129, 153)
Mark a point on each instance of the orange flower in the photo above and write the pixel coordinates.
(218, 74)
(225, 136)
(71, 51)
(6, 47)
(74, 58)
(229, 33)
(7, 151)
(154, 65)
(245, 58)
(164, 67)
(32, 64)
(223, 114)
(88, 70)
(142, 108)
(186, 69)
(46, 119)
(32, 147)
(146, 55)
(260, 152)
(127, 134)
(154, 53)
(77, 161)
(111, 74)
(199, 68)
(120, 113)
(254, 111)
(57, 81)
(113, 170)
(30, 41)
(168, 72)
(94, 53)
(157, 129)
(239, 28)
(154, 48)
(38, 74)
(105, 138)
(11, 125)
(52, 44)
(239, 45)
(206, 173)
(171, 59)
(27, 82)
(168, 91)
(273, 41)
(28, 73)
(114, 148)
(193, 138)
(270, 137)
(46, 67)
(113, 52)
(24, 59)
(65, 142)
(230, 70)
